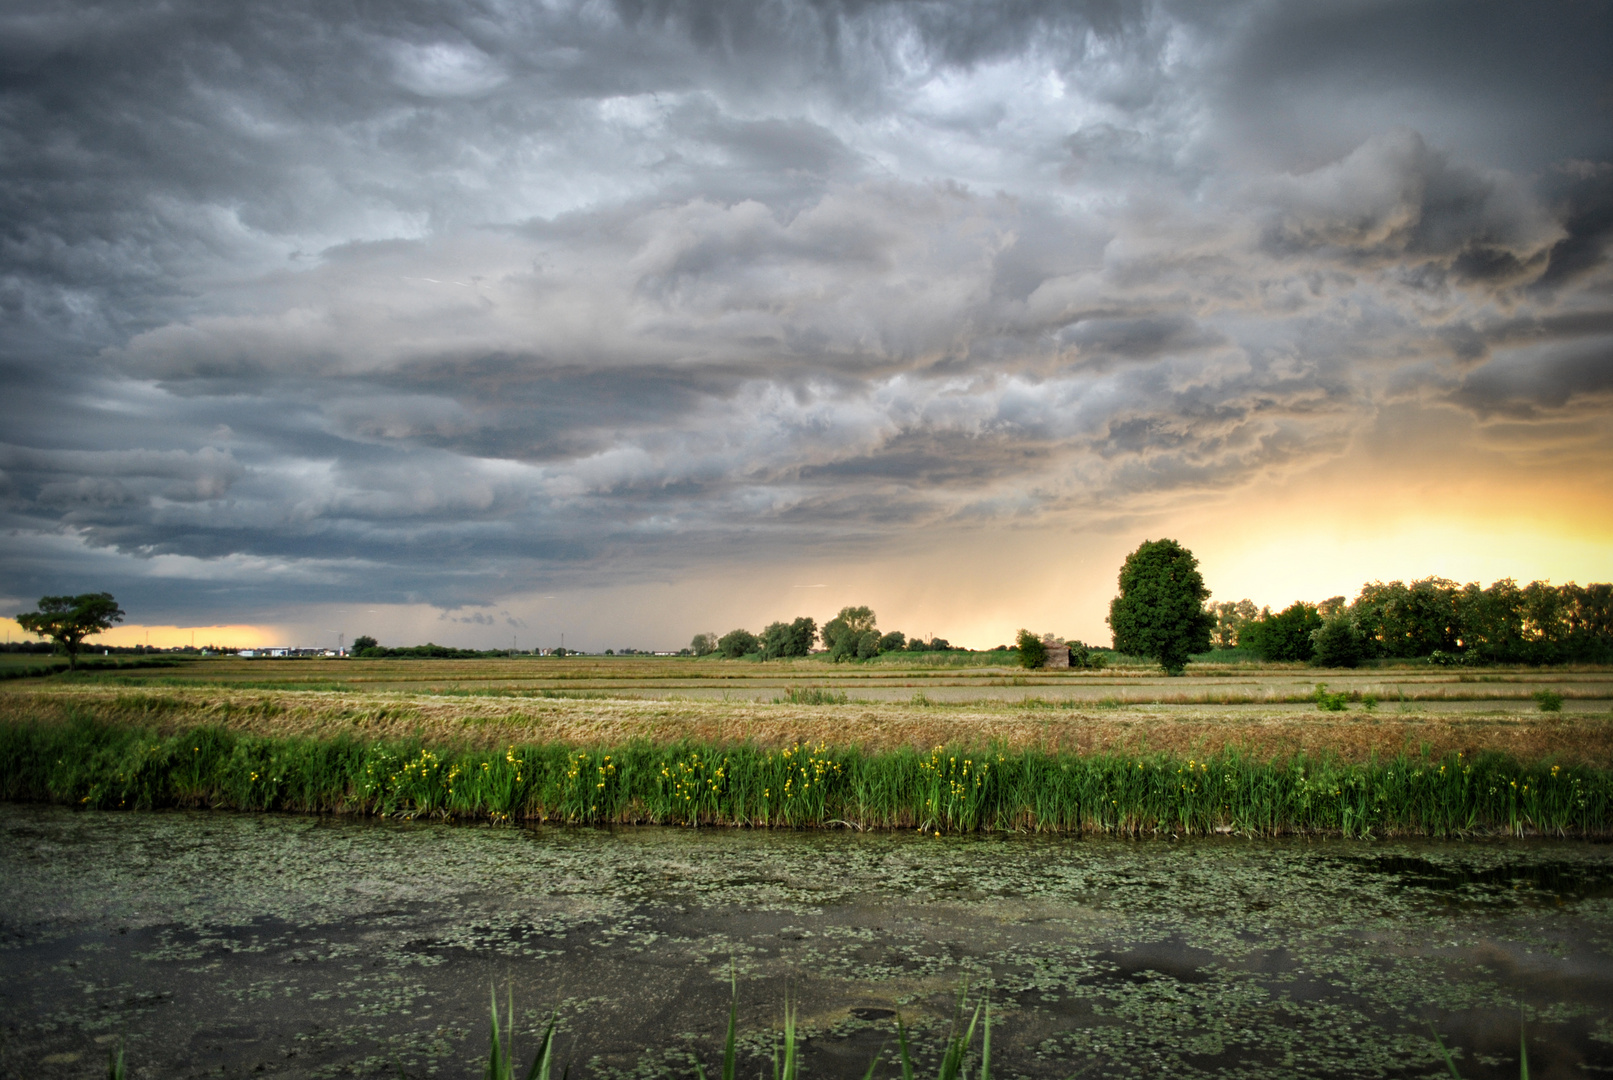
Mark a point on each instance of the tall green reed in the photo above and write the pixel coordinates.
(501, 1062)
(91, 763)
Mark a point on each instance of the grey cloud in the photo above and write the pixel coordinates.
(1518, 86)
(413, 302)
(1587, 219)
(1395, 198)
(1528, 385)
(122, 476)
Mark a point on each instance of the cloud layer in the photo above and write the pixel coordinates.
(441, 302)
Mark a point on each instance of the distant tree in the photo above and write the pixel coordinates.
(68, 620)
(1409, 620)
(1032, 651)
(362, 642)
(703, 644)
(737, 643)
(1230, 619)
(1285, 635)
(795, 638)
(773, 640)
(1160, 610)
(803, 635)
(844, 634)
(1336, 644)
(893, 641)
(1084, 656)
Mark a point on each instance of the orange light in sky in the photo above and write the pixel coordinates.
(127, 635)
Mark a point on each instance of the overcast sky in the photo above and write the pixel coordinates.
(471, 320)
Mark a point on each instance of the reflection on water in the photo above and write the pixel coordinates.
(236, 944)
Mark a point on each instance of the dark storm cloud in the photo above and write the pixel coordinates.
(434, 301)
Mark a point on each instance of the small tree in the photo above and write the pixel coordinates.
(703, 644)
(894, 641)
(736, 643)
(68, 620)
(1032, 650)
(362, 642)
(1160, 610)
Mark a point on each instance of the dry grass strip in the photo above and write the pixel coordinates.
(1572, 738)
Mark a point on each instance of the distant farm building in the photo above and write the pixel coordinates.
(1058, 653)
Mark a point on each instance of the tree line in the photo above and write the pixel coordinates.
(1433, 618)
(851, 635)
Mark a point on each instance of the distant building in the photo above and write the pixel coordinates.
(1058, 653)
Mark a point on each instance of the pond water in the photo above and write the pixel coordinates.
(236, 945)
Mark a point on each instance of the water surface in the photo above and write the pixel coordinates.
(248, 945)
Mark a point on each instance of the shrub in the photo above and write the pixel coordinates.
(1549, 700)
(1032, 653)
(1330, 702)
(1084, 656)
(1336, 644)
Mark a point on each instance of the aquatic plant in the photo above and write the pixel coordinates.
(501, 1053)
(949, 788)
(1450, 1062)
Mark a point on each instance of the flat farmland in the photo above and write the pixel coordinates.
(962, 681)
(913, 701)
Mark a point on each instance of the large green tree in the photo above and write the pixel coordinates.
(1160, 610)
(70, 619)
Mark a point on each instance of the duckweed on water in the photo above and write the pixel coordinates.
(304, 946)
(948, 789)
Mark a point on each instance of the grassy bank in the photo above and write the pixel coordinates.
(90, 763)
